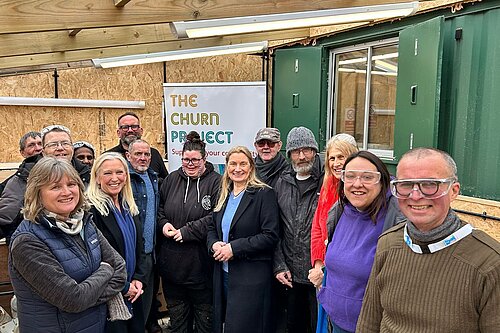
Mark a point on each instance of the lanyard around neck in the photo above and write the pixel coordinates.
(434, 247)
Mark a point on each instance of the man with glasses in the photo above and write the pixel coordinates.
(434, 273)
(56, 142)
(144, 183)
(297, 190)
(129, 129)
(269, 163)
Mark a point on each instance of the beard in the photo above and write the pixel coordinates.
(303, 168)
(130, 138)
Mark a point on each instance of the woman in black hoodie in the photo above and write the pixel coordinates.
(187, 198)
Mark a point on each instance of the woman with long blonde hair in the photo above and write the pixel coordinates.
(338, 149)
(242, 238)
(116, 215)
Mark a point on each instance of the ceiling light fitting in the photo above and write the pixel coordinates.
(248, 24)
(179, 54)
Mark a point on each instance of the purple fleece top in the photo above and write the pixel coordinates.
(348, 261)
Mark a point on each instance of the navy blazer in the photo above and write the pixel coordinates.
(110, 229)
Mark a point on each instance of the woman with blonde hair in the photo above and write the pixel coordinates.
(116, 215)
(338, 149)
(242, 237)
(62, 268)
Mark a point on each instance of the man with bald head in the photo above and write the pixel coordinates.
(435, 272)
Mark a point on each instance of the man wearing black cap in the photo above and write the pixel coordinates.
(297, 191)
(269, 162)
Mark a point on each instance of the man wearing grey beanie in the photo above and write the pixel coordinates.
(297, 191)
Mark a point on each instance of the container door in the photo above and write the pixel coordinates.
(297, 90)
(418, 86)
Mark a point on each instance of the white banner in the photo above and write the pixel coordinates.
(225, 114)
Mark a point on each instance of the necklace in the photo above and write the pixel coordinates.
(237, 195)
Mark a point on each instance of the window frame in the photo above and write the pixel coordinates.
(332, 114)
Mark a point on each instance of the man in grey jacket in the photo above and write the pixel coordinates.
(298, 190)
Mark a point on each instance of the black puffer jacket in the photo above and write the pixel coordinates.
(187, 204)
(293, 252)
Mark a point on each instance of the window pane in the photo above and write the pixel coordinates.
(384, 72)
(351, 91)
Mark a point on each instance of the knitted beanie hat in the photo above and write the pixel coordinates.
(300, 137)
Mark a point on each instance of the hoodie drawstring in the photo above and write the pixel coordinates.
(197, 189)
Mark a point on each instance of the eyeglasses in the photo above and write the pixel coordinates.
(429, 188)
(263, 143)
(365, 177)
(55, 144)
(305, 151)
(127, 127)
(193, 161)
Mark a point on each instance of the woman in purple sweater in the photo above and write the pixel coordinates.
(365, 209)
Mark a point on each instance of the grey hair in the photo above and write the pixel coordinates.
(422, 152)
(131, 145)
(30, 134)
(54, 128)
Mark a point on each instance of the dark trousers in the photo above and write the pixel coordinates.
(153, 314)
(148, 295)
(279, 306)
(185, 303)
(302, 308)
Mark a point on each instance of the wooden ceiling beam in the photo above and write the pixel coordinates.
(82, 55)
(58, 41)
(50, 15)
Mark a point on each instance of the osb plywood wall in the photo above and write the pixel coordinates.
(488, 207)
(98, 125)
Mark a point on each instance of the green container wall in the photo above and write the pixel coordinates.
(469, 92)
(470, 97)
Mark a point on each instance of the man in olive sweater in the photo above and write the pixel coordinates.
(434, 273)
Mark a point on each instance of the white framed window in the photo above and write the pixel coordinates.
(362, 94)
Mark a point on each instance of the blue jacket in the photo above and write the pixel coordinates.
(139, 191)
(36, 314)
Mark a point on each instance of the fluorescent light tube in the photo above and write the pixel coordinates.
(77, 103)
(179, 54)
(248, 24)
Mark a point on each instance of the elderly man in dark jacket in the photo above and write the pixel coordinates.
(269, 163)
(144, 182)
(298, 190)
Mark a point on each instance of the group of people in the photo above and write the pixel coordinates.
(322, 243)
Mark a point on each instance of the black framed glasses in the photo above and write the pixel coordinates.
(429, 188)
(263, 143)
(193, 161)
(127, 127)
